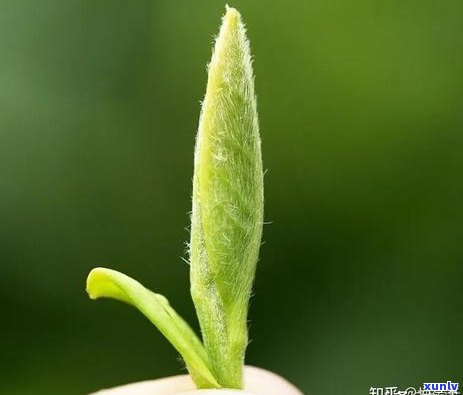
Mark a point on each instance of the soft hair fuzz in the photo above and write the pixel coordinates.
(227, 214)
(226, 224)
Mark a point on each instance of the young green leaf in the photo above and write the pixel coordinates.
(227, 214)
(226, 224)
(106, 283)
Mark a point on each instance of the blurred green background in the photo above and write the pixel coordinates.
(361, 105)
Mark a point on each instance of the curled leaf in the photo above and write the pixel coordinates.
(107, 283)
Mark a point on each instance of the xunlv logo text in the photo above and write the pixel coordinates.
(448, 386)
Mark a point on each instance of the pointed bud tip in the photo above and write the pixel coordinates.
(232, 17)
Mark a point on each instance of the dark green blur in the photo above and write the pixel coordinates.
(361, 105)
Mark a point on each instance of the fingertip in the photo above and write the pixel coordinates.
(263, 382)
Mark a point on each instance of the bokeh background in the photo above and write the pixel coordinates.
(361, 105)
